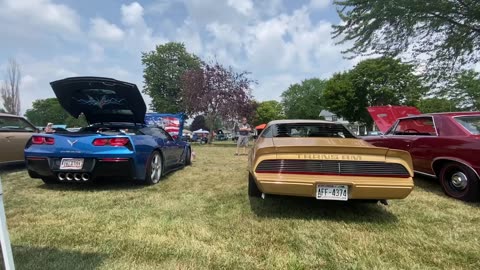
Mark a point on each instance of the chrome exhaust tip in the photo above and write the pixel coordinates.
(77, 176)
(69, 176)
(85, 176)
(61, 176)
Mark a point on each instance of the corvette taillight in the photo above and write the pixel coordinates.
(111, 142)
(43, 140)
(119, 141)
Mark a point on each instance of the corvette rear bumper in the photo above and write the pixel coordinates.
(359, 187)
(95, 168)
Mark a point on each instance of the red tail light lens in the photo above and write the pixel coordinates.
(49, 140)
(119, 141)
(100, 142)
(111, 142)
(43, 140)
(37, 139)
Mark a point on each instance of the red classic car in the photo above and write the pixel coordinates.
(443, 145)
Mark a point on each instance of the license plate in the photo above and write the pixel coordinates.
(71, 164)
(332, 192)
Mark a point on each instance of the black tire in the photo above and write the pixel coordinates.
(460, 182)
(253, 190)
(188, 157)
(152, 165)
(49, 181)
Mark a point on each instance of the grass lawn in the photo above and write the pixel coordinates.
(201, 218)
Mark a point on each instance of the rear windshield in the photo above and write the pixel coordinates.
(325, 130)
(471, 123)
(15, 124)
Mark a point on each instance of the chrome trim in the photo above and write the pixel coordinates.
(426, 174)
(455, 160)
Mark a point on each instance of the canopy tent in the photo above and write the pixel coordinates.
(201, 131)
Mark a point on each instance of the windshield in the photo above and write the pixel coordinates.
(470, 123)
(326, 130)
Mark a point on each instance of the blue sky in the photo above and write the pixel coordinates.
(280, 41)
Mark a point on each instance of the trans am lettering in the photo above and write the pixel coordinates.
(101, 102)
(329, 157)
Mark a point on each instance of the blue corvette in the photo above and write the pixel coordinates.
(116, 143)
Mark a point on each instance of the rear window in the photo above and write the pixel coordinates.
(15, 124)
(470, 123)
(322, 130)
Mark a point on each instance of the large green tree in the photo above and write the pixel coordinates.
(445, 32)
(163, 69)
(435, 104)
(50, 110)
(372, 82)
(268, 111)
(465, 90)
(304, 100)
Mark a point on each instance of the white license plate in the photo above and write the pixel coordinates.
(71, 164)
(332, 192)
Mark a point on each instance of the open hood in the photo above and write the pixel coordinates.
(386, 116)
(100, 99)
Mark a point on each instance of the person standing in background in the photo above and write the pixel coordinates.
(244, 131)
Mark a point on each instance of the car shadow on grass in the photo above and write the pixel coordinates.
(310, 208)
(100, 185)
(27, 257)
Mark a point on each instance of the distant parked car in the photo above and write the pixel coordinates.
(15, 131)
(443, 145)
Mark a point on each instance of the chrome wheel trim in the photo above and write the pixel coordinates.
(459, 180)
(156, 165)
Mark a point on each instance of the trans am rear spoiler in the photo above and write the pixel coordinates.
(386, 116)
(172, 123)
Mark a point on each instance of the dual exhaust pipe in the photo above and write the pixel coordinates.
(73, 177)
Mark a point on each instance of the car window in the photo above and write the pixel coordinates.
(470, 123)
(328, 130)
(267, 133)
(419, 126)
(15, 124)
(157, 132)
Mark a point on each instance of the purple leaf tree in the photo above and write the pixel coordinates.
(218, 93)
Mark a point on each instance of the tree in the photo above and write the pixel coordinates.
(304, 100)
(10, 90)
(465, 90)
(48, 110)
(217, 93)
(373, 82)
(198, 123)
(163, 70)
(268, 111)
(433, 105)
(447, 32)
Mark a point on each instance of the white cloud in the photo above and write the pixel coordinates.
(102, 30)
(319, 4)
(40, 15)
(244, 7)
(132, 14)
(140, 36)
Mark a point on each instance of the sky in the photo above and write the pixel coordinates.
(281, 42)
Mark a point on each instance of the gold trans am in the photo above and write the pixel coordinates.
(322, 159)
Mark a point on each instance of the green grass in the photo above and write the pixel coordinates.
(201, 218)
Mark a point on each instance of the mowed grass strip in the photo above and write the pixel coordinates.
(201, 218)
